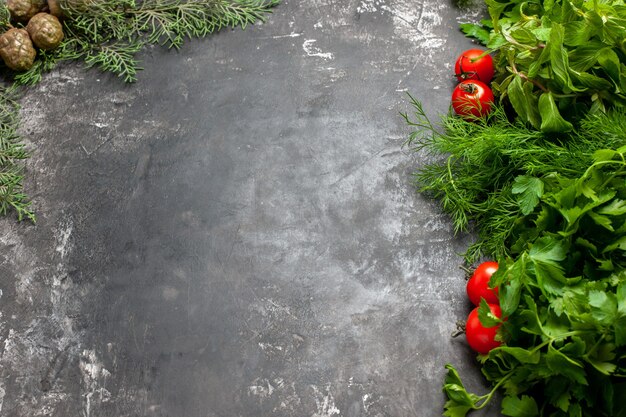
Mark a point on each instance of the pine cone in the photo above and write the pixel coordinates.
(45, 30)
(16, 49)
(55, 8)
(23, 10)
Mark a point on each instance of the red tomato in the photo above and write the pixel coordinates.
(473, 65)
(482, 339)
(472, 99)
(478, 284)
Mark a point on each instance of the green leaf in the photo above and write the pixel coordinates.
(602, 358)
(602, 155)
(608, 59)
(586, 56)
(495, 9)
(542, 33)
(557, 392)
(617, 244)
(459, 400)
(528, 190)
(519, 407)
(453, 410)
(575, 410)
(473, 30)
(523, 356)
(601, 220)
(621, 298)
(522, 98)
(575, 304)
(509, 296)
(559, 58)
(551, 119)
(515, 92)
(572, 215)
(616, 207)
(603, 306)
(620, 331)
(586, 245)
(576, 33)
(548, 250)
(524, 36)
(561, 364)
(452, 377)
(606, 368)
(531, 317)
(485, 316)
(496, 41)
(590, 81)
(535, 68)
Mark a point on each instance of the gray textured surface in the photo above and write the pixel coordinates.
(236, 234)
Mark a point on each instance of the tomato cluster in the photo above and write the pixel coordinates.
(480, 338)
(472, 98)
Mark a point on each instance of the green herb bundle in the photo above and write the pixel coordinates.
(475, 164)
(563, 294)
(557, 60)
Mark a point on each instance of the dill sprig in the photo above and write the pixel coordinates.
(12, 151)
(475, 164)
(108, 34)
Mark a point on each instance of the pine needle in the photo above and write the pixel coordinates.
(12, 152)
(108, 34)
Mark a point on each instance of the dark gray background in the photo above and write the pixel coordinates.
(236, 234)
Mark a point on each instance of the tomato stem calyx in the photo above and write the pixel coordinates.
(460, 329)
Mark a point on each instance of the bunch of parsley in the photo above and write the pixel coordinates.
(563, 293)
(552, 210)
(542, 180)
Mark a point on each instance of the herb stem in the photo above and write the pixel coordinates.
(595, 346)
(485, 399)
(527, 78)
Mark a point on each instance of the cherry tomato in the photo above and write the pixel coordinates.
(473, 65)
(472, 99)
(478, 284)
(480, 338)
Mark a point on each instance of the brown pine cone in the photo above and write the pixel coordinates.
(45, 30)
(55, 8)
(23, 10)
(16, 49)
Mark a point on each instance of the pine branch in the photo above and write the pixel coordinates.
(118, 58)
(108, 34)
(12, 151)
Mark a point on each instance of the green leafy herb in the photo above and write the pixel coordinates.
(557, 60)
(476, 165)
(478, 32)
(563, 293)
